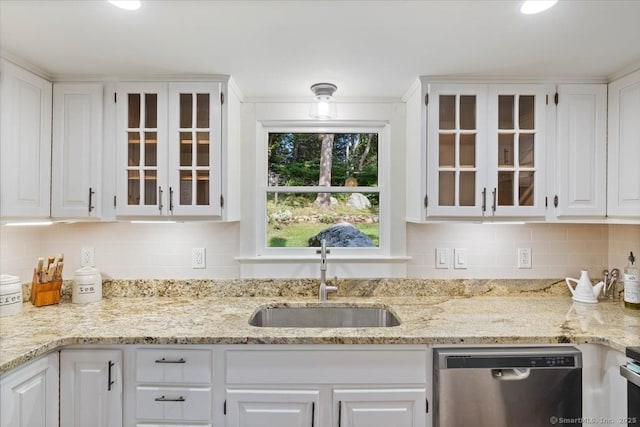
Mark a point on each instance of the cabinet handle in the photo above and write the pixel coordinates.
(313, 413)
(160, 199)
(110, 382)
(91, 193)
(340, 413)
(171, 199)
(493, 206)
(484, 199)
(163, 360)
(169, 399)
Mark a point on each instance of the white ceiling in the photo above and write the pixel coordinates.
(279, 48)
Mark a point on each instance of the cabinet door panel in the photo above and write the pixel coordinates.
(26, 144)
(77, 150)
(272, 408)
(380, 407)
(581, 152)
(87, 398)
(623, 199)
(30, 396)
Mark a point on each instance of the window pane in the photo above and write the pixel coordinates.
(133, 187)
(467, 112)
(525, 189)
(505, 188)
(308, 159)
(150, 187)
(447, 150)
(202, 147)
(446, 188)
(134, 110)
(526, 154)
(447, 111)
(151, 110)
(186, 110)
(202, 112)
(202, 188)
(505, 112)
(151, 149)
(134, 148)
(467, 188)
(185, 187)
(186, 149)
(526, 111)
(505, 149)
(467, 150)
(295, 220)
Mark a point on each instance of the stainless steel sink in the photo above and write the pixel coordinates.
(324, 317)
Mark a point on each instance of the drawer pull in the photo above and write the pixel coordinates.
(170, 399)
(163, 360)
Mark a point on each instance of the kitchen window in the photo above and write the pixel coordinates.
(323, 183)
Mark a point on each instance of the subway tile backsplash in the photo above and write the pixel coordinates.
(136, 251)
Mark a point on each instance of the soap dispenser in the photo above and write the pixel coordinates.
(632, 284)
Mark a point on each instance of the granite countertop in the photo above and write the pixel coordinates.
(492, 316)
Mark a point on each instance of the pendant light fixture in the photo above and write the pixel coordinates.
(323, 106)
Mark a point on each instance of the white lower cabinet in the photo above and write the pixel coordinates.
(380, 407)
(325, 386)
(91, 388)
(29, 394)
(272, 408)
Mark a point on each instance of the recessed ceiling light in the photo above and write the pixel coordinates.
(529, 7)
(126, 4)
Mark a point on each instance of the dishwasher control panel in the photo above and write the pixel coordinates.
(461, 362)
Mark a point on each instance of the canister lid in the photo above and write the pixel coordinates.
(7, 279)
(86, 270)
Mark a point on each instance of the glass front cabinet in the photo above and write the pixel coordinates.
(486, 150)
(169, 149)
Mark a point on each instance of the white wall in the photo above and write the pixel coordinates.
(134, 251)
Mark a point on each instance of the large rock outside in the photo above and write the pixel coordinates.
(358, 201)
(342, 235)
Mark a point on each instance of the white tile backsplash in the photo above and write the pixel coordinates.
(131, 251)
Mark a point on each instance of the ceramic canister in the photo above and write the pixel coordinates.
(87, 285)
(10, 295)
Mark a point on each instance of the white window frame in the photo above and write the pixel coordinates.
(384, 214)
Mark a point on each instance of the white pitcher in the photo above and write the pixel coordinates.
(584, 291)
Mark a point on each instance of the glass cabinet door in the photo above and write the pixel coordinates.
(455, 150)
(142, 148)
(194, 166)
(516, 147)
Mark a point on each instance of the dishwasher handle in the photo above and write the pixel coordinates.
(510, 374)
(631, 376)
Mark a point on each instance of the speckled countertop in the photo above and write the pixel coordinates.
(447, 312)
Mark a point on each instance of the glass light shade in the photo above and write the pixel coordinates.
(530, 7)
(323, 107)
(126, 4)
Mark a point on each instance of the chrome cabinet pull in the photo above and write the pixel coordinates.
(160, 206)
(493, 206)
(169, 399)
(110, 382)
(91, 193)
(163, 360)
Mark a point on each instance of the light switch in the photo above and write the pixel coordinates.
(461, 259)
(524, 258)
(442, 258)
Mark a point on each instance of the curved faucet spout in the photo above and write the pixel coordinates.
(324, 289)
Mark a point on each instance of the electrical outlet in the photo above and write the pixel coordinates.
(87, 257)
(442, 258)
(461, 258)
(198, 258)
(524, 258)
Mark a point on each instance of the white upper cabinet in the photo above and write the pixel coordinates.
(76, 173)
(623, 195)
(169, 151)
(581, 151)
(25, 150)
(486, 147)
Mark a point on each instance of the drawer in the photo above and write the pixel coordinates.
(173, 403)
(183, 366)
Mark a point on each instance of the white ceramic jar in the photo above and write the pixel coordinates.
(10, 295)
(87, 285)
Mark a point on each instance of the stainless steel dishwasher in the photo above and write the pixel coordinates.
(507, 387)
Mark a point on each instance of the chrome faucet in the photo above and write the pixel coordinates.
(324, 288)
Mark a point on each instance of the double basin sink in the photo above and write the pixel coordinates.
(324, 317)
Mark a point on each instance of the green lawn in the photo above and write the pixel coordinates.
(297, 235)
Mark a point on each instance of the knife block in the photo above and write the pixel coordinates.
(46, 293)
